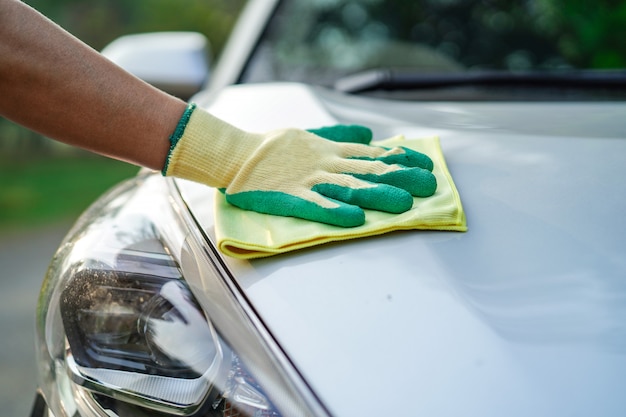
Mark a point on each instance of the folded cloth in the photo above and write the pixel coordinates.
(247, 234)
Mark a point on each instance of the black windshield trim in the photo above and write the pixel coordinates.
(392, 79)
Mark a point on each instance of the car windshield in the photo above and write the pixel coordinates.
(394, 45)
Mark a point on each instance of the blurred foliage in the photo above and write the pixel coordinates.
(594, 32)
(98, 22)
(536, 34)
(38, 190)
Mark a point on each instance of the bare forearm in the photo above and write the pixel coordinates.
(52, 83)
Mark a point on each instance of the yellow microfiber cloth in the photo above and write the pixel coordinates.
(247, 235)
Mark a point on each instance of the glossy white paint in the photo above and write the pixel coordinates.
(522, 315)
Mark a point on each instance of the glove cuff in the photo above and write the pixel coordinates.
(178, 134)
(206, 149)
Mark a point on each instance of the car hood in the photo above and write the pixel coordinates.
(524, 314)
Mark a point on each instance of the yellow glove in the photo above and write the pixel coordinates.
(292, 172)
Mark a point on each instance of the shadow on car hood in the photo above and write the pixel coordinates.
(522, 315)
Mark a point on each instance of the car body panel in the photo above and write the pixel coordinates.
(522, 315)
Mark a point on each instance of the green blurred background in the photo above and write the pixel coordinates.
(42, 181)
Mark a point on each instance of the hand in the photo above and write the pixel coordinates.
(296, 173)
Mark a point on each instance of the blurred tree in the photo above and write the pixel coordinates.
(499, 33)
(98, 22)
(594, 33)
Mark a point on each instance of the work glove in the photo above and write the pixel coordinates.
(296, 173)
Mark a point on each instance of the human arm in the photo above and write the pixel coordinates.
(56, 85)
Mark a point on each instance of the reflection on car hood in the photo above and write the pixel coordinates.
(522, 315)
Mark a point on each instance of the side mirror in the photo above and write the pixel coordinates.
(175, 62)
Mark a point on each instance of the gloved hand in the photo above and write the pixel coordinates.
(296, 173)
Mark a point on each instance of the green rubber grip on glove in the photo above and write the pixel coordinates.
(345, 133)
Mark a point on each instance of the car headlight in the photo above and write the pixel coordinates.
(138, 316)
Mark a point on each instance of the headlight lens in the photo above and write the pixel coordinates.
(121, 333)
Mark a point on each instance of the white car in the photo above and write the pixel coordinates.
(144, 313)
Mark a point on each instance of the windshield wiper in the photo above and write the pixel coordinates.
(390, 79)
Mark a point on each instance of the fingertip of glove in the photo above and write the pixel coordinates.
(391, 199)
(424, 183)
(399, 202)
(409, 158)
(346, 216)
